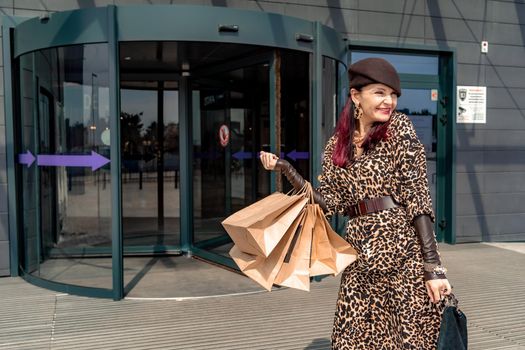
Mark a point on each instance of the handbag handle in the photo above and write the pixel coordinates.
(451, 300)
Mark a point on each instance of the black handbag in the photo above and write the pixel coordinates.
(453, 330)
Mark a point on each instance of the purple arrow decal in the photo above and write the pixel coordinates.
(26, 158)
(242, 155)
(94, 160)
(298, 155)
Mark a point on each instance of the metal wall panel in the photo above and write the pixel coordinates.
(1, 81)
(482, 161)
(504, 55)
(471, 74)
(4, 234)
(407, 7)
(490, 203)
(3, 172)
(494, 182)
(4, 258)
(506, 119)
(383, 39)
(2, 139)
(458, 9)
(507, 12)
(504, 76)
(492, 225)
(391, 24)
(2, 112)
(505, 98)
(453, 29)
(496, 140)
(344, 20)
(3, 201)
(505, 34)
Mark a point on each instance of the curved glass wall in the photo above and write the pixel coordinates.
(64, 151)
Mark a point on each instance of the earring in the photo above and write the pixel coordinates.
(358, 112)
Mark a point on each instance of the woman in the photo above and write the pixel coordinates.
(374, 171)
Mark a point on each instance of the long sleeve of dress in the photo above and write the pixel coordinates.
(413, 191)
(332, 191)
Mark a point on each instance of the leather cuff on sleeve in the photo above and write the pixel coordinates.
(297, 181)
(425, 232)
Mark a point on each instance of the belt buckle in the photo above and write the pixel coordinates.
(362, 210)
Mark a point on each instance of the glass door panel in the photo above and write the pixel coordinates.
(418, 105)
(230, 126)
(295, 113)
(150, 167)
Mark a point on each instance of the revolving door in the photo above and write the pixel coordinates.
(131, 141)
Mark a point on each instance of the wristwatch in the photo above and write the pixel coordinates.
(437, 269)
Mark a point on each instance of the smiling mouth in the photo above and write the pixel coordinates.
(384, 110)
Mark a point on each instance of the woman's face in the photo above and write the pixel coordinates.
(378, 101)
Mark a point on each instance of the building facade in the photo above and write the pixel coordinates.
(199, 89)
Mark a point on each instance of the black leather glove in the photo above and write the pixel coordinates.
(431, 259)
(297, 181)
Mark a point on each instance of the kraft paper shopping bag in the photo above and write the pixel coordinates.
(295, 270)
(258, 228)
(263, 270)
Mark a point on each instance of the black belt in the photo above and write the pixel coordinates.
(369, 206)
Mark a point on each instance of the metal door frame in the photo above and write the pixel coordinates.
(446, 155)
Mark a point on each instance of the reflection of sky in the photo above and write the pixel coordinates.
(94, 61)
(77, 103)
(145, 101)
(412, 64)
(416, 100)
(140, 101)
(171, 107)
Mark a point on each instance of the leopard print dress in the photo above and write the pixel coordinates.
(382, 302)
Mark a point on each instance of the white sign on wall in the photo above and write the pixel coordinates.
(472, 104)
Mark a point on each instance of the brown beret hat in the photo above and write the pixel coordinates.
(374, 70)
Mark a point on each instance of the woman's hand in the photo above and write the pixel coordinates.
(268, 160)
(436, 289)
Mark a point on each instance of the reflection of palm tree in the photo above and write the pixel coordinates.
(151, 133)
(131, 127)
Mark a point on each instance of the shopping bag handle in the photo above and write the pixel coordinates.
(306, 191)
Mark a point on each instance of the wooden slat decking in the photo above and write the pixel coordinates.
(489, 282)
